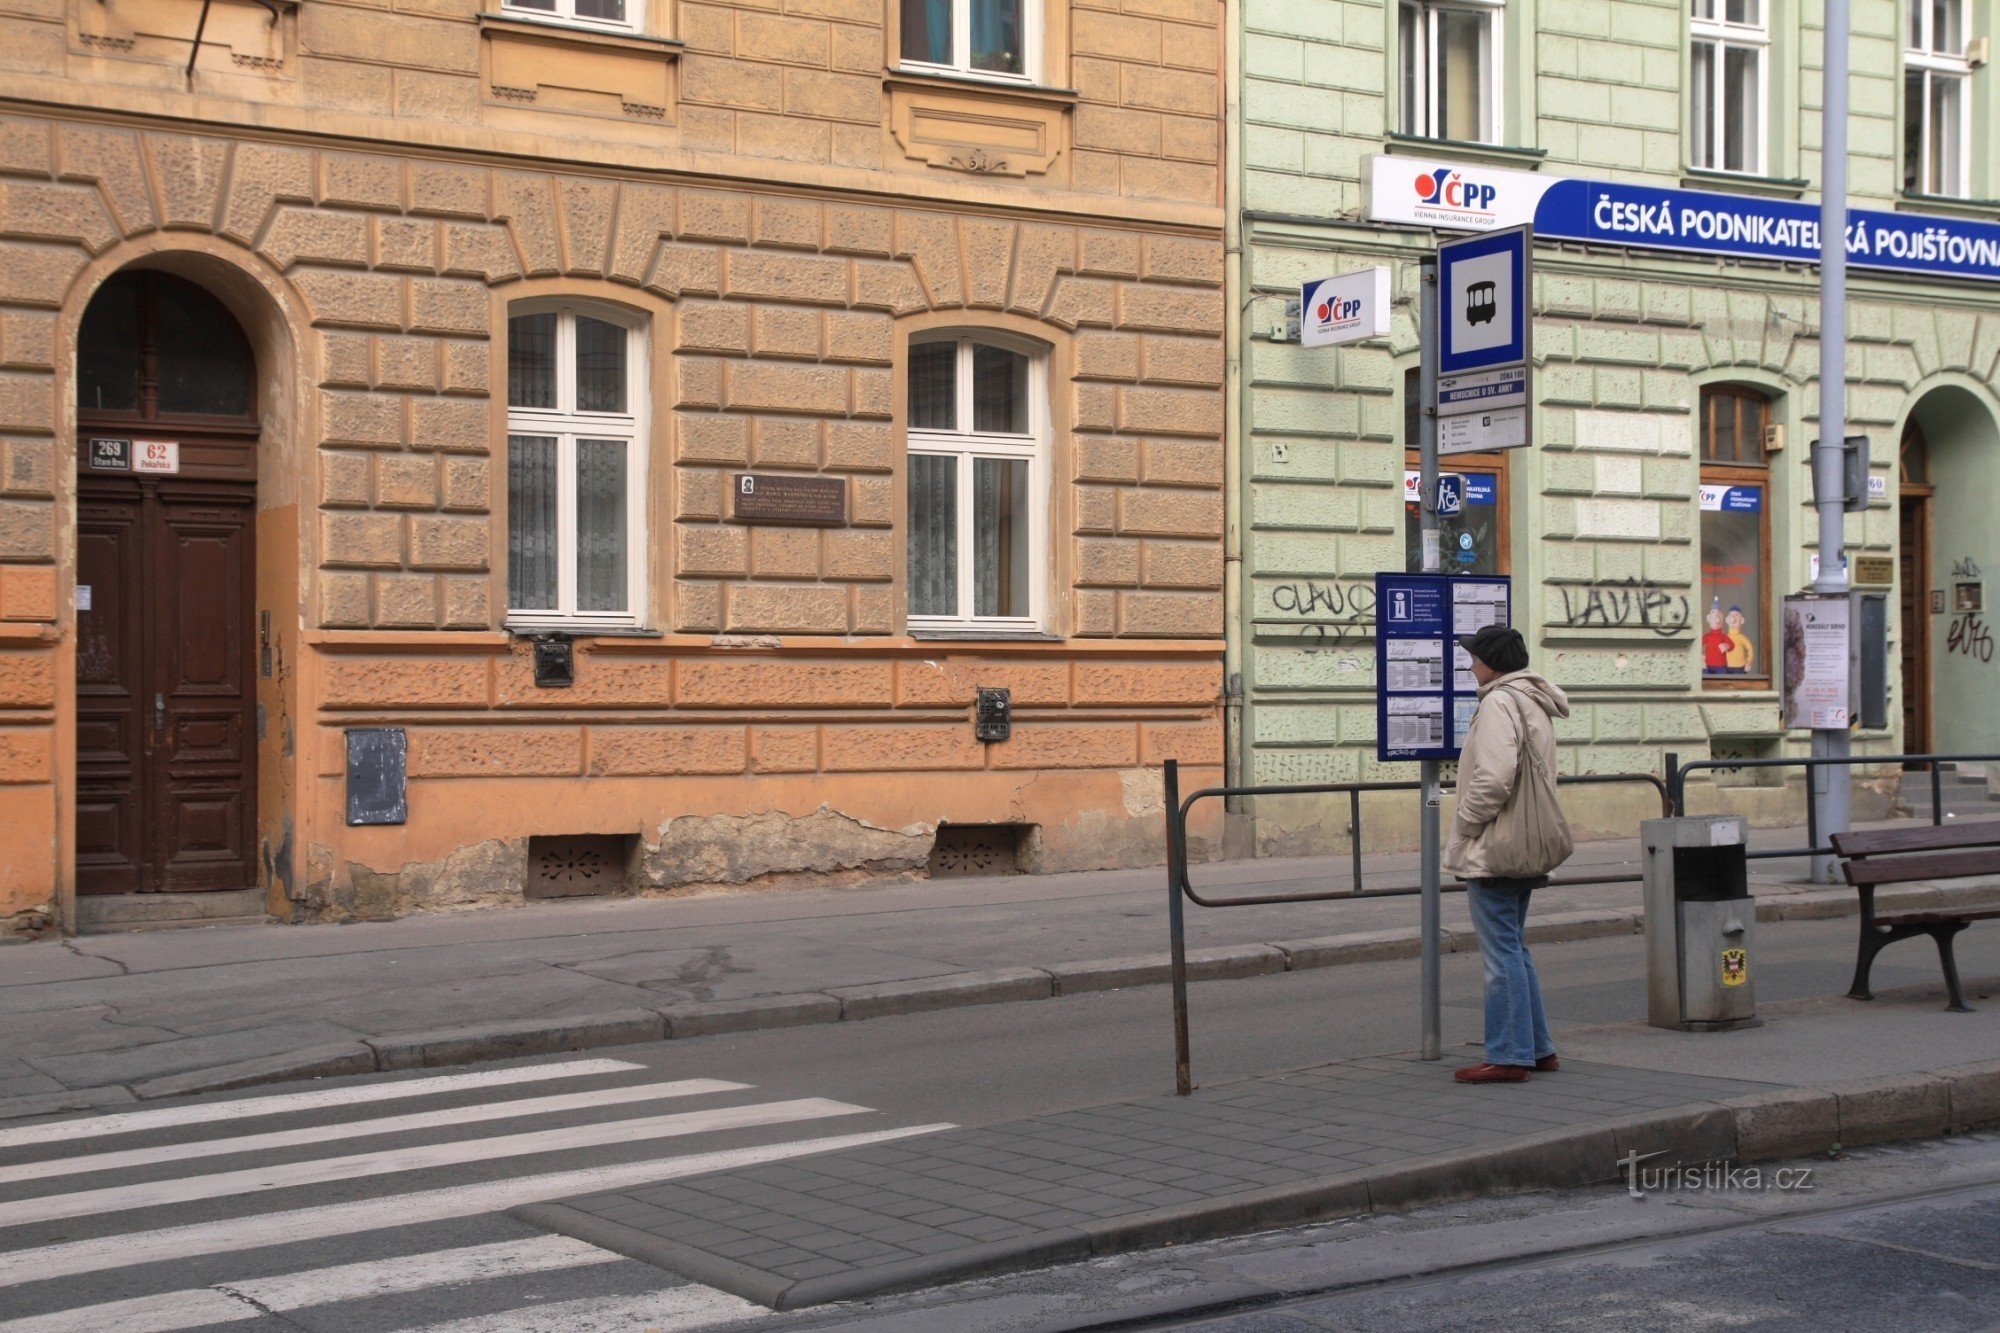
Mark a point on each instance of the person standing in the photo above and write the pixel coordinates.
(1507, 834)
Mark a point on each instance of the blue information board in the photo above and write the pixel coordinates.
(1424, 690)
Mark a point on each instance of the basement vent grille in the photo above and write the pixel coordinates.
(580, 865)
(964, 850)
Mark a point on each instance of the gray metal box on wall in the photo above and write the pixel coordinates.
(1700, 923)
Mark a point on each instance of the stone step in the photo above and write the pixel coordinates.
(105, 913)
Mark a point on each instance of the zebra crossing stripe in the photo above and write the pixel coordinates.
(674, 1310)
(155, 1154)
(168, 1117)
(105, 1253)
(253, 1180)
(236, 1302)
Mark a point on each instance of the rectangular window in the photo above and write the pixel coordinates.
(1937, 101)
(575, 470)
(1450, 68)
(1729, 56)
(1735, 537)
(622, 15)
(988, 38)
(976, 486)
(1473, 541)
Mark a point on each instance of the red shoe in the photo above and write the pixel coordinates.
(1490, 1073)
(1549, 1063)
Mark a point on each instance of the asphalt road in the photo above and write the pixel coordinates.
(378, 1203)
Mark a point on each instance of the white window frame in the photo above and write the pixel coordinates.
(1925, 58)
(960, 66)
(568, 425)
(966, 445)
(564, 15)
(1708, 25)
(1425, 95)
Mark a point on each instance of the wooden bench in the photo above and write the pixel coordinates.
(1905, 856)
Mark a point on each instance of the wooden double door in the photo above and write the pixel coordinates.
(166, 684)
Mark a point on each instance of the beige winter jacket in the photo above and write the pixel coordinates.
(1514, 712)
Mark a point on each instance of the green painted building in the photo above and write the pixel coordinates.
(1662, 509)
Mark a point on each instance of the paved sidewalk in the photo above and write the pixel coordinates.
(109, 1018)
(1345, 1138)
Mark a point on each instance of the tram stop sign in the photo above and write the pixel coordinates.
(1486, 327)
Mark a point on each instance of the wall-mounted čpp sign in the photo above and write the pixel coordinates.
(1424, 192)
(1344, 309)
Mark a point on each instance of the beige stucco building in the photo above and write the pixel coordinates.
(355, 352)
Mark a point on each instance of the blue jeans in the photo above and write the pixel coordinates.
(1517, 1033)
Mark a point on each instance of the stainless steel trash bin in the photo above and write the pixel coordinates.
(1701, 924)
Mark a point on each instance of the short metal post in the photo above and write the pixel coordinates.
(1812, 812)
(1354, 834)
(1674, 782)
(1937, 795)
(1177, 925)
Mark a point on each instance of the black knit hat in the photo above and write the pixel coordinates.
(1499, 646)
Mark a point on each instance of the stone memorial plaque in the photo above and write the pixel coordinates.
(766, 498)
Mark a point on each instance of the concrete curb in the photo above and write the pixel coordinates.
(1787, 1122)
(951, 990)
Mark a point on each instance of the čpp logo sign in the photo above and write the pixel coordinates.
(1445, 188)
(1341, 311)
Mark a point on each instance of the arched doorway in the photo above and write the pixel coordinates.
(1949, 547)
(166, 764)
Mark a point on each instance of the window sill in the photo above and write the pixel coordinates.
(898, 77)
(527, 629)
(1499, 155)
(1947, 205)
(581, 34)
(984, 636)
(1758, 686)
(1774, 187)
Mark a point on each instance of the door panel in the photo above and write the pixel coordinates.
(111, 691)
(1913, 576)
(166, 722)
(201, 597)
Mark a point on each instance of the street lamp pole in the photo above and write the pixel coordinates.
(1828, 785)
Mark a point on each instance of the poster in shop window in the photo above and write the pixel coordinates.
(1732, 582)
(1815, 685)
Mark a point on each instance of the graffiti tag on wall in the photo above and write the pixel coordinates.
(1625, 603)
(1969, 636)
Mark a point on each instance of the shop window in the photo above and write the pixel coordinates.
(1473, 541)
(987, 39)
(1735, 537)
(1729, 62)
(1937, 99)
(1450, 56)
(613, 15)
(977, 421)
(576, 467)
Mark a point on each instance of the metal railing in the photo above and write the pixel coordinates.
(1178, 885)
(1676, 786)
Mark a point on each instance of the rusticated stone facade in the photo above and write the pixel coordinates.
(771, 202)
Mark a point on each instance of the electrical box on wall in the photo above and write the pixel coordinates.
(994, 720)
(555, 661)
